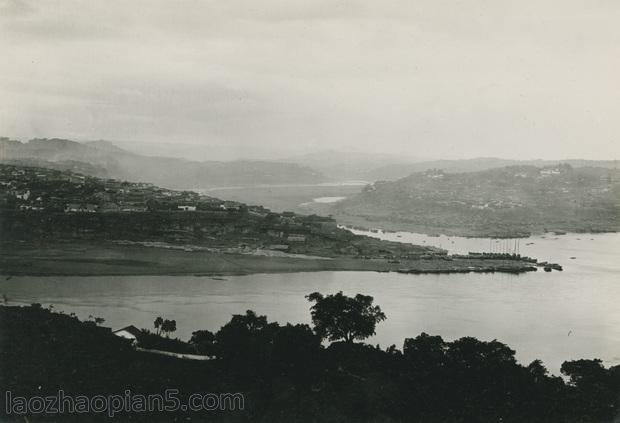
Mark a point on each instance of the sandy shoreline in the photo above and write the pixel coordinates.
(89, 259)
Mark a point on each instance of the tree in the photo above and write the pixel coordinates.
(425, 350)
(338, 316)
(538, 370)
(157, 323)
(164, 326)
(247, 337)
(597, 390)
(203, 342)
(473, 353)
(168, 326)
(96, 320)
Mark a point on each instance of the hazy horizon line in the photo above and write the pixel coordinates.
(397, 157)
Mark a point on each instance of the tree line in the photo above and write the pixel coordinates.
(319, 372)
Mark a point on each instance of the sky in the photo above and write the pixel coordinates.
(267, 79)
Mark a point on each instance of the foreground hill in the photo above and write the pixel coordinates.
(506, 202)
(285, 374)
(107, 160)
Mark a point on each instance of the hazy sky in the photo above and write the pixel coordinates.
(427, 78)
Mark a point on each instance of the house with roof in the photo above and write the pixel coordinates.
(129, 332)
(23, 195)
(72, 208)
(186, 208)
(79, 208)
(296, 238)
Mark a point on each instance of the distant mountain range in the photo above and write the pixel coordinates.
(104, 159)
(342, 166)
(505, 202)
(349, 166)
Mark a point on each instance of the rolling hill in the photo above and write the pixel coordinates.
(349, 165)
(104, 159)
(504, 202)
(394, 171)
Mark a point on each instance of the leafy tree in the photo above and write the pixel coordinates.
(168, 326)
(96, 320)
(537, 369)
(583, 371)
(247, 337)
(595, 388)
(473, 353)
(338, 316)
(203, 342)
(425, 349)
(158, 323)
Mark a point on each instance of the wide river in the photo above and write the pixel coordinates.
(552, 316)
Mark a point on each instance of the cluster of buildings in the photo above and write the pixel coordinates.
(38, 189)
(43, 198)
(191, 215)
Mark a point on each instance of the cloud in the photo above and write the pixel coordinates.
(15, 8)
(425, 77)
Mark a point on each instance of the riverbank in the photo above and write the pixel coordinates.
(361, 223)
(90, 259)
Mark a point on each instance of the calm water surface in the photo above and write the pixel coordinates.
(552, 316)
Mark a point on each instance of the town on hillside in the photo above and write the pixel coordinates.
(40, 203)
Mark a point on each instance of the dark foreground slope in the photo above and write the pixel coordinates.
(286, 375)
(506, 202)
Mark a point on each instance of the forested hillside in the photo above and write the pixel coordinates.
(509, 201)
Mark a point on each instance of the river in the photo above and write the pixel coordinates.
(552, 316)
